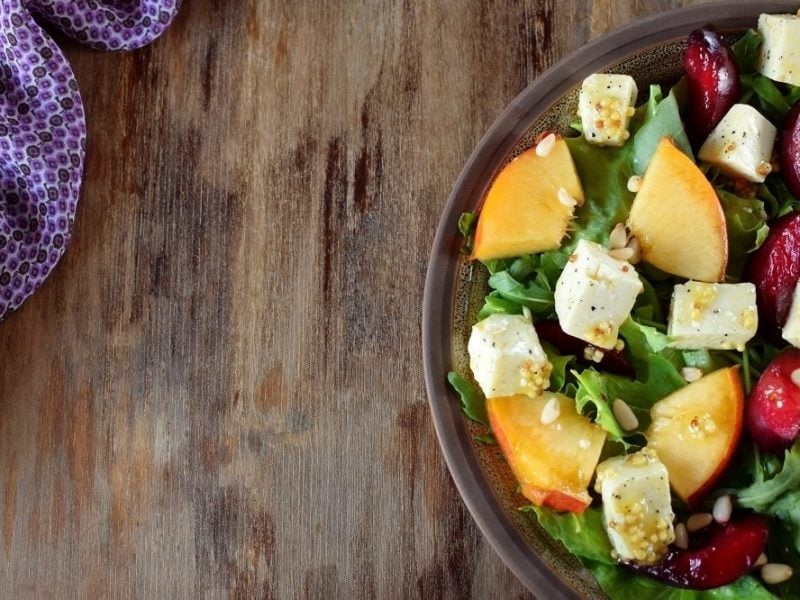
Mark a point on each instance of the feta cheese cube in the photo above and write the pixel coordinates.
(720, 316)
(637, 509)
(506, 357)
(791, 330)
(741, 144)
(595, 294)
(779, 58)
(606, 105)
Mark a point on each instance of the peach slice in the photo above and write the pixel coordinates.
(551, 448)
(695, 431)
(678, 219)
(529, 204)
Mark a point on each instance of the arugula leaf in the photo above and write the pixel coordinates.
(472, 399)
(643, 340)
(597, 389)
(534, 296)
(558, 376)
(621, 584)
(659, 380)
(769, 98)
(747, 228)
(760, 495)
(495, 303)
(584, 535)
(663, 120)
(778, 200)
(787, 509)
(746, 51)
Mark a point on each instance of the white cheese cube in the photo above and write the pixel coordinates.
(595, 294)
(741, 144)
(606, 105)
(779, 58)
(791, 330)
(637, 509)
(720, 316)
(506, 357)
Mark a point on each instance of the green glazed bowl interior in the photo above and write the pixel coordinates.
(650, 50)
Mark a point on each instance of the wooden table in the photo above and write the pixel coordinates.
(219, 391)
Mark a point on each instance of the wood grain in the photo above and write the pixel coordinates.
(218, 393)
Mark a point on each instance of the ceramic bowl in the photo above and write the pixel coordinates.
(650, 50)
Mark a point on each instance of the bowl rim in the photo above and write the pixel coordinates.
(437, 311)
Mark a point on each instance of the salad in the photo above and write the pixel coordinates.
(637, 356)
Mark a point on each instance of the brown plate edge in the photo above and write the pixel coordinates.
(437, 314)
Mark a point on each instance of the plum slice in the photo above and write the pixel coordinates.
(773, 408)
(789, 150)
(713, 79)
(613, 361)
(774, 269)
(717, 555)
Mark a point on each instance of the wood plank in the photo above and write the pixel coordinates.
(219, 391)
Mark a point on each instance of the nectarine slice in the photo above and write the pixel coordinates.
(678, 219)
(695, 431)
(551, 448)
(522, 212)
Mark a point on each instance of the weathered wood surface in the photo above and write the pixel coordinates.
(219, 391)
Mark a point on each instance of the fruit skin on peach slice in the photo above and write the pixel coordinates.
(553, 461)
(695, 431)
(678, 219)
(522, 213)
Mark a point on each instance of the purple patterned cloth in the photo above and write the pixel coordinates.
(43, 126)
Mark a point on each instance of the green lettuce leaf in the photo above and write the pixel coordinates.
(472, 399)
(558, 376)
(660, 121)
(533, 295)
(604, 173)
(584, 535)
(621, 584)
(746, 51)
(762, 494)
(599, 390)
(747, 228)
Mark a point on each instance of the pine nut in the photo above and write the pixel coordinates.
(618, 236)
(634, 184)
(698, 521)
(546, 145)
(624, 415)
(722, 509)
(634, 245)
(681, 536)
(565, 198)
(550, 412)
(621, 253)
(691, 374)
(773, 573)
(796, 377)
(761, 560)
